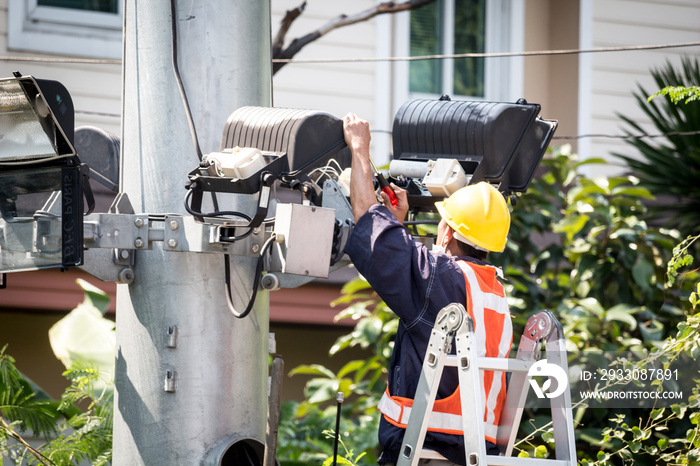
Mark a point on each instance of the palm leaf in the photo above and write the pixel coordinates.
(669, 167)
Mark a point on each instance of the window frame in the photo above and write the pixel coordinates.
(64, 31)
(502, 76)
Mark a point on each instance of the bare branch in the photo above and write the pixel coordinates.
(287, 21)
(342, 20)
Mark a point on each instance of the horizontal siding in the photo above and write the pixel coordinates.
(94, 88)
(654, 14)
(335, 88)
(616, 75)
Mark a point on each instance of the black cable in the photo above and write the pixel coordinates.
(225, 239)
(256, 280)
(211, 214)
(232, 239)
(178, 79)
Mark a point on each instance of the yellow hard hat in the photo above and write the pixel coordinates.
(478, 213)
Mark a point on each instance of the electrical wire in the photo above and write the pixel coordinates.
(178, 79)
(256, 280)
(183, 93)
(104, 114)
(630, 136)
(600, 135)
(84, 61)
(210, 214)
(533, 53)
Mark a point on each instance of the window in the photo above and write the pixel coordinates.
(443, 28)
(85, 28)
(448, 27)
(104, 6)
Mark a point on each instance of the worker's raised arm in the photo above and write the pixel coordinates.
(362, 193)
(357, 137)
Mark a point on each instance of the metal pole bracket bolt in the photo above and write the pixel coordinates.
(170, 383)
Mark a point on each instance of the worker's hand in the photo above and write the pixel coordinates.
(357, 135)
(402, 202)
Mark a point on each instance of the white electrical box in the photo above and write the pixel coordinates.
(444, 177)
(237, 162)
(307, 239)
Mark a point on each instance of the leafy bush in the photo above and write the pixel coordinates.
(671, 167)
(361, 381)
(664, 435)
(73, 435)
(580, 247)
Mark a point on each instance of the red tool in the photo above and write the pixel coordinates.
(384, 185)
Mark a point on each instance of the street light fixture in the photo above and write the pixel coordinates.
(41, 177)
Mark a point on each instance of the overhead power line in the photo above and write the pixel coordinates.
(533, 53)
(489, 55)
(628, 136)
(104, 114)
(608, 136)
(86, 61)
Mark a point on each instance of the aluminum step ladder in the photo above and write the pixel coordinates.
(453, 321)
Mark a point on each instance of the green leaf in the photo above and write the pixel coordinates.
(94, 296)
(313, 369)
(642, 272)
(352, 366)
(679, 410)
(590, 161)
(320, 390)
(368, 331)
(622, 313)
(592, 305)
(570, 225)
(633, 191)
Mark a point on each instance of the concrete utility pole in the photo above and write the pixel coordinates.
(191, 379)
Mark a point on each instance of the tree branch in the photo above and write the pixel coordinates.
(287, 21)
(278, 51)
(12, 433)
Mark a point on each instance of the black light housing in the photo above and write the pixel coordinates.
(293, 142)
(41, 177)
(309, 138)
(501, 143)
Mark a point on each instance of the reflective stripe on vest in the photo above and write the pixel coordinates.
(488, 309)
(494, 332)
(398, 414)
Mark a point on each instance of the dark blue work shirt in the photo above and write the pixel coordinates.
(416, 284)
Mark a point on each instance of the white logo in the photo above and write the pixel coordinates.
(545, 369)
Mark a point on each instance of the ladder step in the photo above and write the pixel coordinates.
(501, 460)
(494, 364)
(431, 455)
(515, 461)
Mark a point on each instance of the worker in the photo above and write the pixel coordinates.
(416, 283)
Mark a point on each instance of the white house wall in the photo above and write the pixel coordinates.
(336, 88)
(95, 88)
(615, 75)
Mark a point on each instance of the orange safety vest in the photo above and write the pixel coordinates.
(488, 308)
